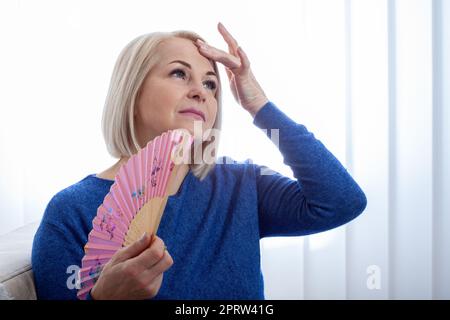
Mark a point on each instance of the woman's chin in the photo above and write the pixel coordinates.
(195, 128)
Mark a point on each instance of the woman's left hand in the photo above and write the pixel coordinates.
(246, 90)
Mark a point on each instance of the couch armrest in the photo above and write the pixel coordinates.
(16, 276)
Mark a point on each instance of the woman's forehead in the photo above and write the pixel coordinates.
(173, 49)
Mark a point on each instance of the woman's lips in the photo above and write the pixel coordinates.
(197, 114)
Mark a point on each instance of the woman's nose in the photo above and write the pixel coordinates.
(197, 91)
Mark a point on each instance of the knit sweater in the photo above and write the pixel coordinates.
(212, 227)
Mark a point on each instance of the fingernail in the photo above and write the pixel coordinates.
(202, 44)
(144, 237)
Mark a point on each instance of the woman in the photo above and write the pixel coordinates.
(213, 224)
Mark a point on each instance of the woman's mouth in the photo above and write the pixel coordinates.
(194, 113)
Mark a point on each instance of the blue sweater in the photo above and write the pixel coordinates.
(212, 227)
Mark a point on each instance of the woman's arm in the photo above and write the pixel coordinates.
(134, 272)
(323, 197)
(54, 263)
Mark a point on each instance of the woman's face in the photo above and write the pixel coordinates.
(183, 79)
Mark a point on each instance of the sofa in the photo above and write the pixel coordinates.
(16, 275)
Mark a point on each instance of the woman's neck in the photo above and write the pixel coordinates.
(110, 173)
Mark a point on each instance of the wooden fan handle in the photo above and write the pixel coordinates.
(159, 214)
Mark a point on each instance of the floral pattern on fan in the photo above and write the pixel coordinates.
(134, 203)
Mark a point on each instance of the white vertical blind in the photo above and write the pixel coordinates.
(370, 141)
(325, 43)
(370, 78)
(411, 217)
(441, 149)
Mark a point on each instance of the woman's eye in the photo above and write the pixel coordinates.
(212, 85)
(178, 71)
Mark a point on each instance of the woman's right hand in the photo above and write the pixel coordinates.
(134, 272)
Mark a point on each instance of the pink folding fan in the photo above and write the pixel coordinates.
(135, 202)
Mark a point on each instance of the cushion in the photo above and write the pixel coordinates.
(16, 276)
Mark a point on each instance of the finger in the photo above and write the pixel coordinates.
(154, 286)
(212, 52)
(232, 79)
(232, 43)
(218, 55)
(132, 250)
(229, 74)
(161, 266)
(233, 86)
(150, 256)
(244, 59)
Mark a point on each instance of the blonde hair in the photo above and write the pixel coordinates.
(132, 66)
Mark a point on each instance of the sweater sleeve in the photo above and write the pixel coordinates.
(323, 196)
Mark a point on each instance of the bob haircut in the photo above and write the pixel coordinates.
(133, 64)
